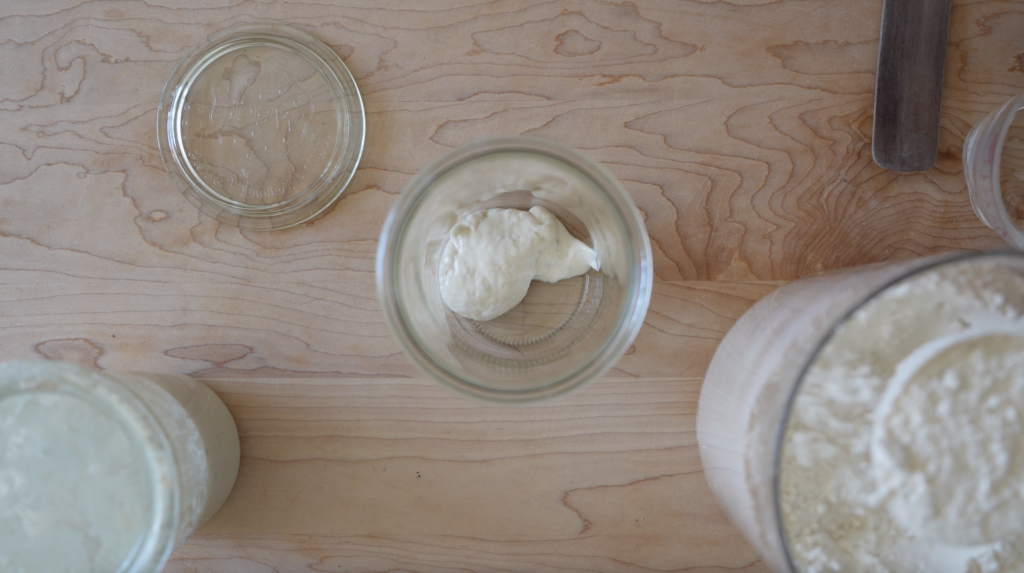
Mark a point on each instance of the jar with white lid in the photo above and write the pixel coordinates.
(106, 472)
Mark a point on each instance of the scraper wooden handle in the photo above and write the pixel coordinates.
(908, 87)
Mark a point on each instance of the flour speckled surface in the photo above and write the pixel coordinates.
(904, 451)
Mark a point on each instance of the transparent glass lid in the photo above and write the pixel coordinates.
(262, 126)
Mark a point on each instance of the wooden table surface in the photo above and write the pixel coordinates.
(742, 129)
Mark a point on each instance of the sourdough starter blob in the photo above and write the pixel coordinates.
(492, 256)
(905, 446)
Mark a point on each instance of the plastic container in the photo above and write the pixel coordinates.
(107, 471)
(261, 126)
(994, 167)
(756, 375)
(561, 335)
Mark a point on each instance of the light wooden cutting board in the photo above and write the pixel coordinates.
(741, 128)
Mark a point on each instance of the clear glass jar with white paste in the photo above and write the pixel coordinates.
(106, 472)
(562, 334)
(868, 419)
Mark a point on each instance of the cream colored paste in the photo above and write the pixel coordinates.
(492, 256)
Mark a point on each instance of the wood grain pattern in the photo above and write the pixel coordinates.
(741, 128)
(394, 472)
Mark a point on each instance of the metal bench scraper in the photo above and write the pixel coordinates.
(908, 86)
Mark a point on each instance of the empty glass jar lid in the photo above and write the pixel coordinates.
(262, 126)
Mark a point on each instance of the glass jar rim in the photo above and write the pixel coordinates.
(309, 203)
(638, 295)
(1004, 116)
(916, 268)
(154, 548)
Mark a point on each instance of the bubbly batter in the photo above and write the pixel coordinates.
(75, 488)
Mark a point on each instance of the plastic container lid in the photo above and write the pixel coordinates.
(262, 126)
